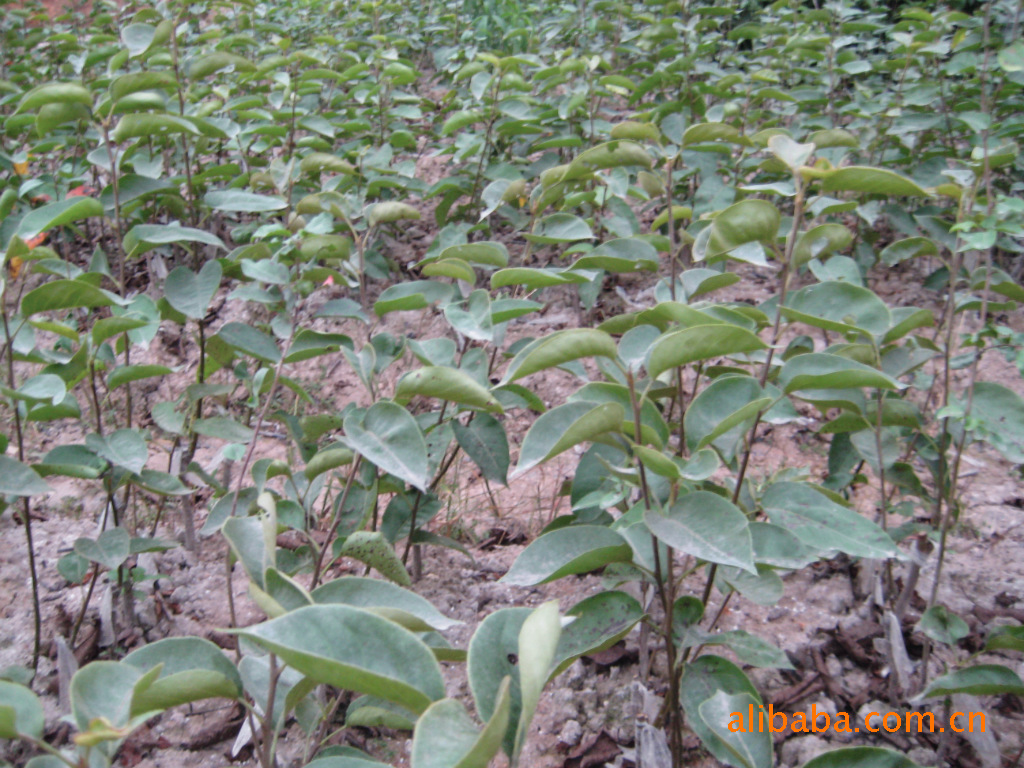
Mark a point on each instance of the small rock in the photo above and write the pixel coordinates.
(778, 612)
(571, 733)
(796, 752)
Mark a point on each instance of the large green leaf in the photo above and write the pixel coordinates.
(191, 293)
(387, 435)
(250, 341)
(748, 221)
(841, 307)
(371, 548)
(332, 644)
(538, 640)
(722, 410)
(18, 479)
(104, 689)
(484, 441)
(702, 680)
(598, 622)
(707, 526)
(566, 551)
(110, 549)
(145, 237)
(20, 713)
(999, 414)
(563, 427)
(822, 370)
(65, 294)
(699, 342)
(191, 669)
(559, 348)
(493, 659)
(238, 201)
(58, 214)
(560, 228)
(823, 525)
(875, 181)
(446, 384)
(447, 737)
(979, 680)
(748, 748)
(393, 602)
(148, 125)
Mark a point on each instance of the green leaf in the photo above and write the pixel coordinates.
(560, 228)
(485, 442)
(627, 254)
(1011, 58)
(103, 689)
(707, 526)
(390, 212)
(747, 221)
(330, 644)
(250, 341)
(565, 551)
(908, 248)
(538, 640)
(599, 622)
(447, 737)
(491, 254)
(191, 669)
(702, 680)
(448, 384)
(252, 543)
(875, 181)
(54, 93)
(750, 748)
(861, 757)
(611, 154)
(749, 649)
(821, 241)
(705, 132)
(224, 428)
(124, 374)
(58, 214)
(999, 414)
(723, 408)
(823, 525)
(191, 293)
(1010, 638)
(841, 307)
(371, 548)
(493, 660)
(203, 67)
(65, 294)
(699, 342)
(979, 680)
(534, 278)
(942, 625)
(18, 479)
(388, 600)
(388, 436)
(237, 201)
(559, 348)
(20, 713)
(416, 294)
(147, 125)
(145, 237)
(110, 549)
(563, 427)
(821, 370)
